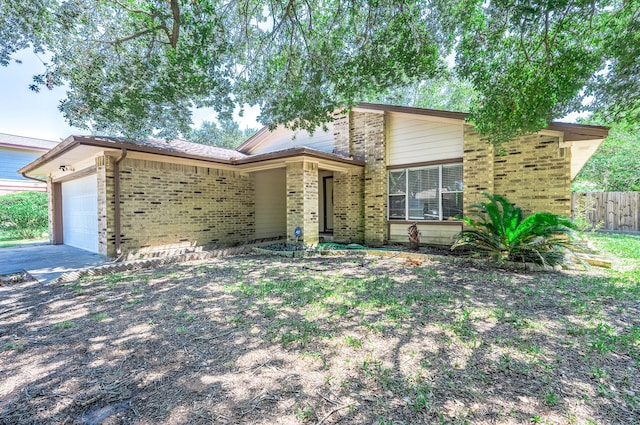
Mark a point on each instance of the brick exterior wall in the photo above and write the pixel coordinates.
(364, 135)
(477, 165)
(342, 134)
(172, 208)
(348, 207)
(369, 137)
(533, 172)
(106, 202)
(302, 201)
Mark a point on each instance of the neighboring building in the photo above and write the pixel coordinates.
(16, 152)
(365, 179)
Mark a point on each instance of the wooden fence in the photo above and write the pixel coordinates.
(619, 211)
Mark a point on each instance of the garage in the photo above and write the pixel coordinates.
(80, 213)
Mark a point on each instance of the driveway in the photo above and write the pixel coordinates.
(47, 262)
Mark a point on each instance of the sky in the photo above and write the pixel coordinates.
(26, 113)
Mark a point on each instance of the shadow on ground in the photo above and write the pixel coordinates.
(253, 339)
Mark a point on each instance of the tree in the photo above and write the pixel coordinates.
(445, 93)
(225, 135)
(138, 66)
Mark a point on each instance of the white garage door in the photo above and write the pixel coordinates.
(80, 213)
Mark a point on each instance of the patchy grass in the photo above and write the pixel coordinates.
(324, 340)
(624, 246)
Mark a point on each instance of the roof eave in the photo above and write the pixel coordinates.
(72, 141)
(302, 151)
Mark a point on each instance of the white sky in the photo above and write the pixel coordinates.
(26, 113)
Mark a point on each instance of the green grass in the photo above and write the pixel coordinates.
(9, 243)
(12, 346)
(617, 244)
(98, 317)
(63, 325)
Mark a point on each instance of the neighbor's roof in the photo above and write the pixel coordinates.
(21, 142)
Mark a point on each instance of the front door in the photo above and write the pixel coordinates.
(328, 203)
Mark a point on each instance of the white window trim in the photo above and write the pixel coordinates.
(406, 193)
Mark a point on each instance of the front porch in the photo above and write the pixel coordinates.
(318, 195)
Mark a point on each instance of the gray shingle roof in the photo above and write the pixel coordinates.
(179, 145)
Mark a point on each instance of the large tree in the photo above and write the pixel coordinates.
(139, 66)
(225, 133)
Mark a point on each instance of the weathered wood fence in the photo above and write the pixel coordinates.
(618, 211)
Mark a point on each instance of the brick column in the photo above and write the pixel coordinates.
(348, 206)
(54, 190)
(478, 166)
(106, 209)
(302, 201)
(369, 138)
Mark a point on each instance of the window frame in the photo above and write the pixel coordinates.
(441, 191)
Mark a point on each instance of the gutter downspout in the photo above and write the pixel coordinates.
(116, 196)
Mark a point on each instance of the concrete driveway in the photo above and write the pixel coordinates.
(47, 262)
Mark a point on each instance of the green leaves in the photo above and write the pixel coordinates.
(529, 62)
(500, 230)
(24, 215)
(138, 67)
(615, 167)
(226, 134)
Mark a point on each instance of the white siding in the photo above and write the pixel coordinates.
(271, 203)
(282, 138)
(421, 139)
(11, 160)
(80, 213)
(430, 233)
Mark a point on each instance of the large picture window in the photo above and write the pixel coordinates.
(426, 193)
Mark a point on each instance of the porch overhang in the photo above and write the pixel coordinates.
(280, 159)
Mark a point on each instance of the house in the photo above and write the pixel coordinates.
(364, 178)
(16, 152)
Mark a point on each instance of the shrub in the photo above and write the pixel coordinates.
(24, 215)
(502, 232)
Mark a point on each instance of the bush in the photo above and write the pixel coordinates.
(502, 232)
(24, 215)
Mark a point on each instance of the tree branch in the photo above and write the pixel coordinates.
(136, 35)
(175, 33)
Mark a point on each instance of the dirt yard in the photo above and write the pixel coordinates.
(264, 340)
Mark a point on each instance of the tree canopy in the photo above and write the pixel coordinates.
(137, 67)
(224, 134)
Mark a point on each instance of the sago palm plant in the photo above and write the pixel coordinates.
(500, 230)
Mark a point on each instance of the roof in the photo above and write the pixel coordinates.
(176, 146)
(179, 149)
(572, 131)
(21, 142)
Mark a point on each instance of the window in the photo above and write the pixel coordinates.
(426, 193)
